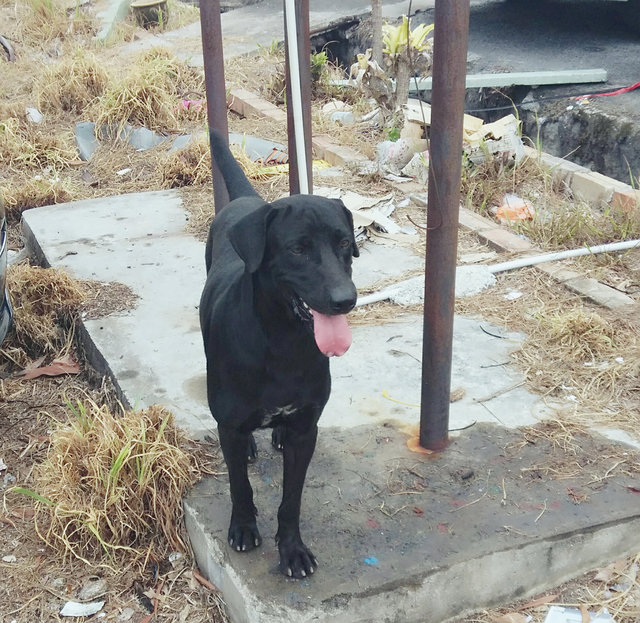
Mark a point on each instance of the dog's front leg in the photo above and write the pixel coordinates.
(296, 559)
(243, 531)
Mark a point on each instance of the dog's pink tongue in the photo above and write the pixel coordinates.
(332, 333)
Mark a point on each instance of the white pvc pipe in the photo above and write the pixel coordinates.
(522, 262)
(296, 94)
(563, 255)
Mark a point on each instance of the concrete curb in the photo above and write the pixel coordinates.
(587, 185)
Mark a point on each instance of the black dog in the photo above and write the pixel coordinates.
(272, 312)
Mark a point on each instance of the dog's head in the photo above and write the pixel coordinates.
(305, 244)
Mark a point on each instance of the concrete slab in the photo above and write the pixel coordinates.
(405, 538)
(139, 240)
(445, 526)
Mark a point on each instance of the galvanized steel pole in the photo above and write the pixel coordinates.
(447, 109)
(215, 86)
(304, 54)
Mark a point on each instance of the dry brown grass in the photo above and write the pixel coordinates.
(188, 166)
(560, 221)
(40, 22)
(71, 84)
(45, 303)
(27, 193)
(26, 146)
(150, 94)
(112, 485)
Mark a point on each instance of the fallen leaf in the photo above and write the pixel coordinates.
(418, 511)
(152, 594)
(633, 489)
(586, 617)
(606, 574)
(58, 367)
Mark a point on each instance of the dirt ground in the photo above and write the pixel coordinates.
(582, 358)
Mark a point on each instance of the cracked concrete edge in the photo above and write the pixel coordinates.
(457, 590)
(89, 349)
(211, 556)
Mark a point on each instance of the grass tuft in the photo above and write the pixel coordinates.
(45, 301)
(112, 485)
(190, 166)
(150, 94)
(71, 84)
(25, 146)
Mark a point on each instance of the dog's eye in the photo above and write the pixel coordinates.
(297, 249)
(345, 243)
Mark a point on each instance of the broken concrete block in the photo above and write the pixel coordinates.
(86, 140)
(143, 138)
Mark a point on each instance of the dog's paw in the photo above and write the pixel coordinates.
(277, 438)
(252, 449)
(296, 559)
(243, 537)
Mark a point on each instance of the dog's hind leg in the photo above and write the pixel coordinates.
(252, 449)
(243, 530)
(295, 558)
(277, 436)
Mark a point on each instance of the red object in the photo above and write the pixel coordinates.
(616, 92)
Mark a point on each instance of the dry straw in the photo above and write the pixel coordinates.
(44, 301)
(25, 146)
(71, 84)
(190, 166)
(150, 95)
(28, 193)
(111, 487)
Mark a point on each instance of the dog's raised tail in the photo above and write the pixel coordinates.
(236, 181)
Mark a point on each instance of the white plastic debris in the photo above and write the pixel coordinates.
(418, 167)
(560, 614)
(34, 115)
(76, 609)
(392, 156)
(3, 465)
(343, 117)
(469, 280)
(10, 558)
(126, 614)
(513, 295)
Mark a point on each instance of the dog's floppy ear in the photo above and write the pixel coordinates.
(354, 247)
(249, 236)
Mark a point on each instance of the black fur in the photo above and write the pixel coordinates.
(264, 369)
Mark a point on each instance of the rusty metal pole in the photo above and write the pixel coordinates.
(304, 54)
(215, 86)
(447, 109)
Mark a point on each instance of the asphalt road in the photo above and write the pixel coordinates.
(529, 35)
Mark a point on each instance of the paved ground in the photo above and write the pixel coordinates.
(397, 533)
(406, 536)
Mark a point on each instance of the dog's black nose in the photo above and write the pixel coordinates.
(343, 300)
